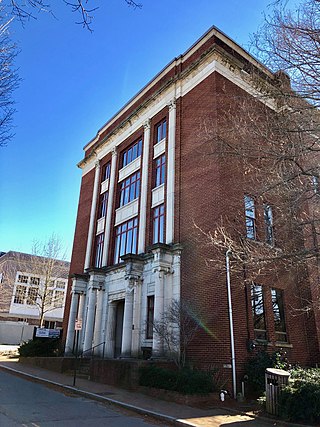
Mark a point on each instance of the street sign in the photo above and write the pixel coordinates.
(78, 325)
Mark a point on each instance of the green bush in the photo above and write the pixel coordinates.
(40, 347)
(256, 366)
(184, 381)
(300, 400)
(255, 369)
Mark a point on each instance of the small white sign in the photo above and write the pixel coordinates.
(78, 325)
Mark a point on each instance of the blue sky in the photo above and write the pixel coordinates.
(73, 81)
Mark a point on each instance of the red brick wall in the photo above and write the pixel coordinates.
(212, 187)
(80, 237)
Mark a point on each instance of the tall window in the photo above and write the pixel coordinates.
(126, 239)
(161, 131)
(32, 295)
(160, 170)
(98, 250)
(278, 314)
(20, 294)
(250, 217)
(48, 297)
(132, 153)
(268, 219)
(158, 224)
(259, 323)
(129, 189)
(105, 172)
(150, 316)
(102, 210)
(58, 299)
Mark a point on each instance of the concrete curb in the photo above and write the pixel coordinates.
(97, 397)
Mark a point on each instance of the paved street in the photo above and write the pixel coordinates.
(25, 403)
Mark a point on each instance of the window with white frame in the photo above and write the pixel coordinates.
(58, 299)
(60, 284)
(20, 294)
(22, 278)
(32, 296)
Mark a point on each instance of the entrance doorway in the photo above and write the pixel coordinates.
(119, 327)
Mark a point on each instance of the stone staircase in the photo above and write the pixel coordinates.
(83, 368)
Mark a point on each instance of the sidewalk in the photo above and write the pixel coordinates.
(171, 413)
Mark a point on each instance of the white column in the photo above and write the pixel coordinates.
(97, 324)
(111, 330)
(80, 316)
(90, 319)
(107, 232)
(72, 322)
(136, 337)
(144, 189)
(127, 325)
(171, 173)
(103, 332)
(92, 216)
(157, 345)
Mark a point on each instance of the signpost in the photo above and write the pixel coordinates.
(78, 327)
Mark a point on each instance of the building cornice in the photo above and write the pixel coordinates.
(212, 32)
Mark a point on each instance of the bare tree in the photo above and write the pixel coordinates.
(272, 139)
(176, 329)
(25, 10)
(47, 265)
(8, 80)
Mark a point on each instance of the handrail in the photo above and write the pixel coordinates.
(92, 350)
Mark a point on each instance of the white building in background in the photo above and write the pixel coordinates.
(22, 280)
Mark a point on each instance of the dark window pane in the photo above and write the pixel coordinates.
(268, 219)
(150, 316)
(132, 153)
(126, 239)
(258, 313)
(129, 189)
(278, 314)
(250, 217)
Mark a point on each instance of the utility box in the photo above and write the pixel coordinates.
(276, 380)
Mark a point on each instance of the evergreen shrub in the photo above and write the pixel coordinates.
(184, 381)
(40, 347)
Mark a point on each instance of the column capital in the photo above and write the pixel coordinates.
(97, 164)
(147, 124)
(134, 270)
(96, 281)
(163, 270)
(114, 151)
(172, 104)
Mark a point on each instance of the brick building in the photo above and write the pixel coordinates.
(147, 180)
(22, 282)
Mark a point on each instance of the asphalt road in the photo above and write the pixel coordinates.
(29, 404)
